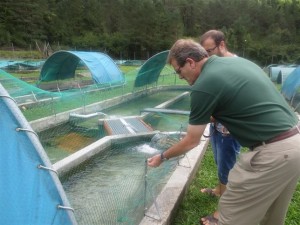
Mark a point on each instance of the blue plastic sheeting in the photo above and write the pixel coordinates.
(291, 84)
(20, 65)
(62, 65)
(150, 70)
(274, 71)
(284, 73)
(29, 195)
(8, 63)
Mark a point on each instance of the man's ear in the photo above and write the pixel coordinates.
(223, 47)
(191, 62)
(222, 44)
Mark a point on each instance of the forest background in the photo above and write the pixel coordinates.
(265, 31)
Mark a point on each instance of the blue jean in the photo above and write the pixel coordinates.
(225, 149)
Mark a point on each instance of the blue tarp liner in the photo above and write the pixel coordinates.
(62, 65)
(278, 73)
(20, 65)
(28, 193)
(284, 73)
(274, 71)
(6, 63)
(150, 70)
(291, 84)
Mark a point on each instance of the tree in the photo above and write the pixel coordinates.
(22, 21)
(141, 28)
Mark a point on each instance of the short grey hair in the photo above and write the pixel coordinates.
(186, 48)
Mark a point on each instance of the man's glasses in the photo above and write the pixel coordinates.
(178, 70)
(211, 49)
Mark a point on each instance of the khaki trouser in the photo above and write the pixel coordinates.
(261, 184)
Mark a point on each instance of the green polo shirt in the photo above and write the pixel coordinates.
(238, 94)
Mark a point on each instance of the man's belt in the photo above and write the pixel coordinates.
(282, 136)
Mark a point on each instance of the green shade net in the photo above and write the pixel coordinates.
(151, 69)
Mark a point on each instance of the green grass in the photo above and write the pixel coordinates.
(20, 54)
(196, 205)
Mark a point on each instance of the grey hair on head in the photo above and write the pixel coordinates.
(186, 48)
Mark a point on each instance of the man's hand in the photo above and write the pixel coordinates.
(154, 161)
(190, 140)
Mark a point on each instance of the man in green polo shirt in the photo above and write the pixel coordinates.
(237, 93)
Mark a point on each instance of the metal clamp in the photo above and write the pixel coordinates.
(6, 96)
(65, 207)
(24, 129)
(46, 168)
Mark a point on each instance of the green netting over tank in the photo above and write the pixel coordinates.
(151, 69)
(22, 91)
(116, 186)
(59, 96)
(37, 103)
(79, 131)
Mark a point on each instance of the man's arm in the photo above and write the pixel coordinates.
(191, 140)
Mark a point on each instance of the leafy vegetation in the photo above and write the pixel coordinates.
(266, 31)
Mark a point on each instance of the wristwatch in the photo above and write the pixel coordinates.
(162, 157)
